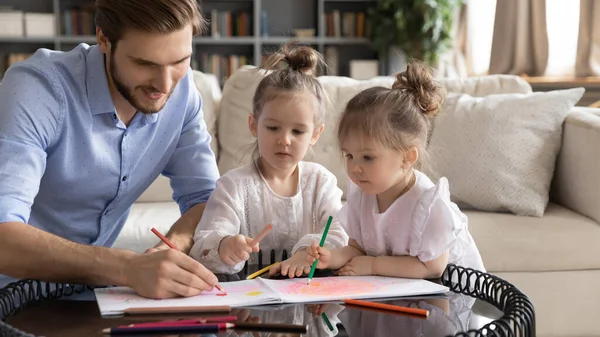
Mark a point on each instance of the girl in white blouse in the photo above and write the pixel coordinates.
(277, 188)
(399, 222)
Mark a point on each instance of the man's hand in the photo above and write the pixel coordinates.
(360, 265)
(167, 273)
(295, 266)
(235, 249)
(316, 252)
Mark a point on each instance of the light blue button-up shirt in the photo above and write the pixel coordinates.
(70, 167)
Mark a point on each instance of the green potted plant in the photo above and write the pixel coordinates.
(406, 29)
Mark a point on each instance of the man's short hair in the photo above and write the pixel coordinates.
(115, 17)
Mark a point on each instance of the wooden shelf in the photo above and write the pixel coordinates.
(280, 27)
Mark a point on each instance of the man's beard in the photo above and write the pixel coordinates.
(127, 92)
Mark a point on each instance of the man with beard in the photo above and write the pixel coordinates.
(83, 133)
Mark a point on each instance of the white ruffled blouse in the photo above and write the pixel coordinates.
(243, 203)
(423, 223)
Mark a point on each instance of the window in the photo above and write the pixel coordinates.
(480, 25)
(562, 24)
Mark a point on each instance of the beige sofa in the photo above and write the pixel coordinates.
(554, 259)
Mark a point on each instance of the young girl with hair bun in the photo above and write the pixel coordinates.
(399, 222)
(278, 187)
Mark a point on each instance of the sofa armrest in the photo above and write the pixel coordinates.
(576, 182)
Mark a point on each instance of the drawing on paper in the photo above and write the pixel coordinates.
(248, 289)
(329, 287)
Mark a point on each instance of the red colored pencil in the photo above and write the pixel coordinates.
(163, 238)
(170, 244)
(181, 328)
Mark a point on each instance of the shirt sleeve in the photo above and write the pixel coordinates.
(192, 169)
(30, 121)
(436, 223)
(329, 202)
(221, 218)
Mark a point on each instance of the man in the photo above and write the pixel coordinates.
(83, 133)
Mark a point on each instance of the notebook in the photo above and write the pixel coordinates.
(259, 291)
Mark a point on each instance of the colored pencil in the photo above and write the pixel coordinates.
(177, 310)
(327, 321)
(262, 271)
(389, 307)
(206, 328)
(170, 244)
(314, 265)
(224, 319)
(383, 311)
(263, 233)
(163, 238)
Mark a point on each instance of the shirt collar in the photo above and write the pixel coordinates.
(98, 94)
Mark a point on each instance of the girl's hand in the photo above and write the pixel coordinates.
(235, 249)
(295, 266)
(321, 253)
(360, 265)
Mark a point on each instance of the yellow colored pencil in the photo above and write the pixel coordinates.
(260, 272)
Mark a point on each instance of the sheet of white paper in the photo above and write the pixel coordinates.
(351, 287)
(114, 300)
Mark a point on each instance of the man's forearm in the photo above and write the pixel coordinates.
(28, 252)
(181, 233)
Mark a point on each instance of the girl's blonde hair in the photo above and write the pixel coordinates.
(398, 117)
(298, 75)
(295, 72)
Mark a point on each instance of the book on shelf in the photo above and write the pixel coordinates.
(227, 23)
(345, 24)
(222, 66)
(79, 20)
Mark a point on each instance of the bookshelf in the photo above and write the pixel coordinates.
(252, 29)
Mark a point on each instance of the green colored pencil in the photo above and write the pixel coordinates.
(327, 321)
(314, 265)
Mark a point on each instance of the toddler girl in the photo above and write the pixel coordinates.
(399, 222)
(277, 188)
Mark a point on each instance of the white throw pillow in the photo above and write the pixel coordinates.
(499, 151)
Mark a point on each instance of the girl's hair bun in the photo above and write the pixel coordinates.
(418, 80)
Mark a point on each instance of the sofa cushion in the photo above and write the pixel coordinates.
(503, 157)
(561, 240)
(136, 234)
(235, 141)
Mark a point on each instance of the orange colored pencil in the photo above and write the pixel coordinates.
(390, 307)
(170, 244)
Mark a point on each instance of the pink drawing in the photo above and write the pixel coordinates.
(329, 287)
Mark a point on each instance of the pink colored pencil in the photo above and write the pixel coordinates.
(195, 321)
(263, 233)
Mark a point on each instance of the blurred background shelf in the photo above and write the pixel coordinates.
(257, 27)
